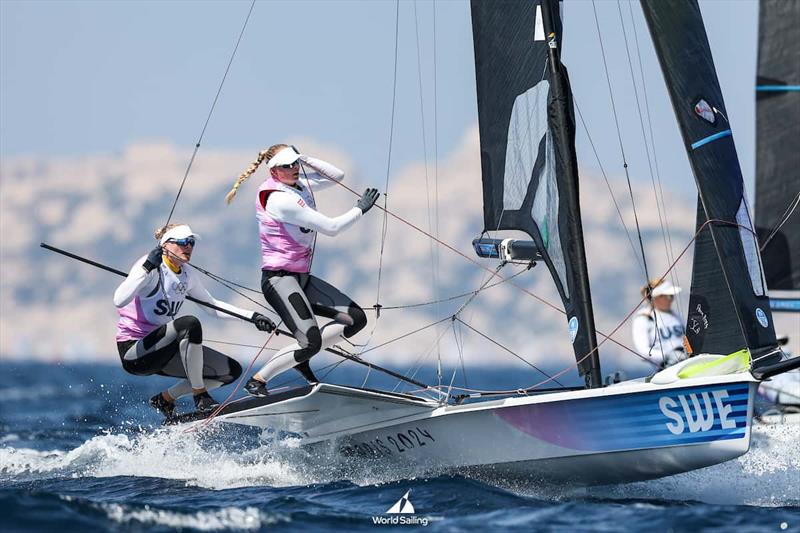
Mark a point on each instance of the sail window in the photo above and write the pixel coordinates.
(750, 249)
(528, 122)
(545, 212)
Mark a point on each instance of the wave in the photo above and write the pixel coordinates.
(217, 458)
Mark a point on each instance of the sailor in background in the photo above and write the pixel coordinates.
(657, 331)
(288, 222)
(151, 340)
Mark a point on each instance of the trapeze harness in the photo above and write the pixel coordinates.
(151, 340)
(288, 222)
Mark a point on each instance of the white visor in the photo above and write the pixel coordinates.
(286, 156)
(666, 289)
(178, 232)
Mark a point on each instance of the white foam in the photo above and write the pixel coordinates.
(768, 475)
(167, 453)
(247, 518)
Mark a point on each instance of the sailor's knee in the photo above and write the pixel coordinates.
(310, 344)
(190, 328)
(314, 339)
(359, 318)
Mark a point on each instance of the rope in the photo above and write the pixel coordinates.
(608, 185)
(781, 221)
(667, 236)
(384, 224)
(622, 151)
(210, 112)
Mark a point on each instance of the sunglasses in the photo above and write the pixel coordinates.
(290, 165)
(188, 241)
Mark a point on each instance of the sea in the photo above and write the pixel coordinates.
(80, 450)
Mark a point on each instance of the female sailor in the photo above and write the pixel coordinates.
(152, 341)
(288, 223)
(657, 331)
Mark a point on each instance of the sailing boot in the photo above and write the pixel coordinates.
(204, 403)
(305, 370)
(253, 387)
(163, 406)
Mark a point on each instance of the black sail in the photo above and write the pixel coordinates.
(528, 162)
(728, 305)
(778, 150)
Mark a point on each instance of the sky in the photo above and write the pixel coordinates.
(88, 77)
(101, 104)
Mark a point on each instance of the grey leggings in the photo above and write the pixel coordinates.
(298, 297)
(175, 349)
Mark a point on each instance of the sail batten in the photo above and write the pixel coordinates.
(528, 161)
(728, 307)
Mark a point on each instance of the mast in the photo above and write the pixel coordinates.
(728, 305)
(778, 150)
(528, 161)
(562, 119)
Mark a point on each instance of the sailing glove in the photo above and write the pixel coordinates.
(367, 200)
(263, 323)
(153, 259)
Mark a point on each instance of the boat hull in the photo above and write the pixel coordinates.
(629, 432)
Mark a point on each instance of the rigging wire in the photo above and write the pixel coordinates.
(431, 228)
(668, 246)
(608, 185)
(485, 268)
(782, 220)
(571, 366)
(625, 167)
(384, 224)
(550, 378)
(210, 112)
(436, 172)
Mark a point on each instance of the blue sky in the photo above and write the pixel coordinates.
(90, 77)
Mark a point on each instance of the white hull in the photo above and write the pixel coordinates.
(628, 432)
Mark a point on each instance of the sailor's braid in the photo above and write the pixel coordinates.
(163, 229)
(264, 155)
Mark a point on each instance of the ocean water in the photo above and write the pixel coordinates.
(80, 450)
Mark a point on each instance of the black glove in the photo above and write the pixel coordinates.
(263, 323)
(153, 259)
(367, 200)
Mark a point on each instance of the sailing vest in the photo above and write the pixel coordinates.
(284, 246)
(664, 332)
(159, 306)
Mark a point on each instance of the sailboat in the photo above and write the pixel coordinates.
(778, 183)
(692, 415)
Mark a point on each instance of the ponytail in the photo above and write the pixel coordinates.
(163, 229)
(264, 155)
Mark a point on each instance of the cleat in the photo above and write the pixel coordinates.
(161, 405)
(256, 388)
(203, 402)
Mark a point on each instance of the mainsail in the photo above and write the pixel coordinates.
(528, 162)
(778, 150)
(728, 306)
